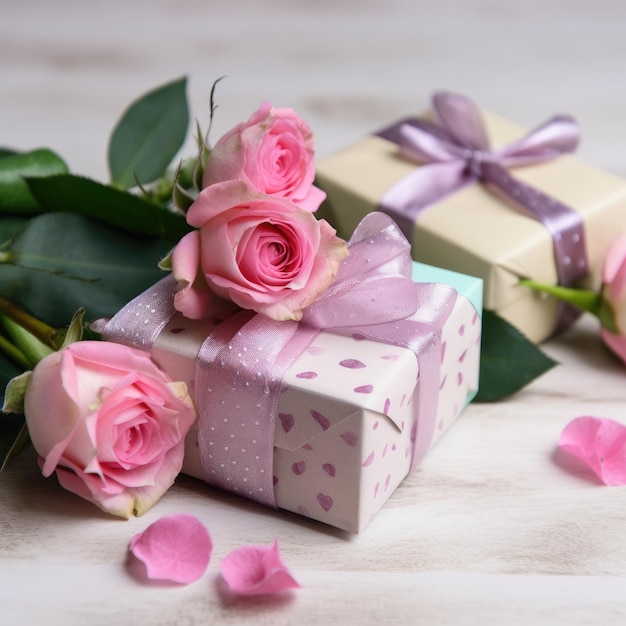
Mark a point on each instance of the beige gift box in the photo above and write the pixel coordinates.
(474, 232)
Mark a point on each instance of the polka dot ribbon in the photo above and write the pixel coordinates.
(139, 323)
(241, 365)
(455, 152)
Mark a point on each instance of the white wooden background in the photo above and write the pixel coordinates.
(495, 527)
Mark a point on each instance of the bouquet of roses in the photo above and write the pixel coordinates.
(234, 223)
(102, 415)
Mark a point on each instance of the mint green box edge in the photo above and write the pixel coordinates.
(469, 286)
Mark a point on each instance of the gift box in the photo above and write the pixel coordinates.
(354, 413)
(473, 227)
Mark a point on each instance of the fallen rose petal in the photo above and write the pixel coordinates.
(601, 444)
(175, 548)
(256, 570)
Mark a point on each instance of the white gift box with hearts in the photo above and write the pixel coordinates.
(342, 438)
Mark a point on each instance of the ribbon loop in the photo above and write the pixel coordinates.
(462, 119)
(373, 285)
(417, 142)
(556, 137)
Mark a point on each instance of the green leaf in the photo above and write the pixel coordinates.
(15, 392)
(62, 261)
(9, 227)
(166, 262)
(508, 360)
(148, 136)
(5, 152)
(182, 199)
(15, 196)
(74, 331)
(124, 210)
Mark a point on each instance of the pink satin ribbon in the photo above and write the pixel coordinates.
(455, 151)
(241, 364)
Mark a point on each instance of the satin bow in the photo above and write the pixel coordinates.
(455, 151)
(241, 364)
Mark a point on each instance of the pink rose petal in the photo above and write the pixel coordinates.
(176, 548)
(256, 570)
(600, 443)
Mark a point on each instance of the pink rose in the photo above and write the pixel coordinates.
(274, 151)
(110, 423)
(614, 295)
(261, 252)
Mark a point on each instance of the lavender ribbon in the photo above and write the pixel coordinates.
(241, 365)
(139, 323)
(238, 379)
(455, 152)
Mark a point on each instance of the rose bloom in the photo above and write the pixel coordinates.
(261, 252)
(110, 423)
(614, 296)
(274, 151)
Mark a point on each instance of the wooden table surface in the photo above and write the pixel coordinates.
(495, 527)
